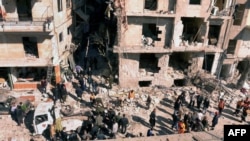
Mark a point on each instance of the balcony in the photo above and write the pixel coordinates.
(26, 25)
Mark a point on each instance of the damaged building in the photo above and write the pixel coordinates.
(162, 42)
(155, 42)
(35, 41)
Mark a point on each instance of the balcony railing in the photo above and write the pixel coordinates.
(26, 24)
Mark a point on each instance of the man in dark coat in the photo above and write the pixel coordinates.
(124, 124)
(176, 119)
(206, 104)
(181, 98)
(152, 118)
(215, 120)
(177, 106)
(79, 93)
(199, 100)
(64, 93)
(19, 115)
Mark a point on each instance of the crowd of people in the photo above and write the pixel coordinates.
(195, 119)
(106, 123)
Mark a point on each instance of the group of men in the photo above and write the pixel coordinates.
(104, 124)
(243, 105)
(197, 120)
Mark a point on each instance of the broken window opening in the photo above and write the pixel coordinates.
(213, 34)
(68, 3)
(221, 7)
(219, 4)
(225, 70)
(192, 30)
(30, 74)
(149, 62)
(208, 62)
(30, 46)
(179, 82)
(68, 31)
(150, 34)
(231, 46)
(171, 6)
(194, 1)
(180, 61)
(151, 4)
(59, 5)
(4, 75)
(60, 37)
(24, 10)
(145, 83)
(238, 14)
(241, 67)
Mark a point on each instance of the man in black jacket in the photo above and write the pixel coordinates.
(124, 123)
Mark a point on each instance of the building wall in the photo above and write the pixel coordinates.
(168, 17)
(46, 25)
(132, 37)
(129, 70)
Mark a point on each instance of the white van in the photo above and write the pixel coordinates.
(43, 117)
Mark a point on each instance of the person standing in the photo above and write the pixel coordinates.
(64, 93)
(244, 113)
(239, 106)
(79, 93)
(131, 95)
(176, 119)
(152, 118)
(118, 119)
(187, 120)
(82, 82)
(115, 127)
(43, 85)
(221, 106)
(19, 115)
(205, 123)
(13, 111)
(199, 100)
(206, 104)
(182, 97)
(192, 95)
(124, 124)
(99, 120)
(215, 120)
(177, 105)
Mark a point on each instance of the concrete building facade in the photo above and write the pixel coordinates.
(35, 35)
(162, 42)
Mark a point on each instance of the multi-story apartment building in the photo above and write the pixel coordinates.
(161, 41)
(34, 34)
(236, 62)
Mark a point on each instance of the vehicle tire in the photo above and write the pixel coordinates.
(67, 110)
